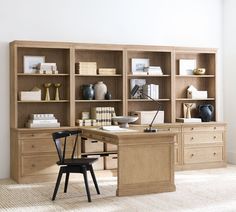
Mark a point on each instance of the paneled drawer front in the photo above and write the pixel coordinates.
(43, 145)
(35, 135)
(203, 128)
(38, 145)
(201, 155)
(40, 164)
(169, 129)
(200, 138)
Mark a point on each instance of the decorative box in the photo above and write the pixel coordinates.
(33, 95)
(146, 117)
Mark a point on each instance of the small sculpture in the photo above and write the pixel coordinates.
(57, 96)
(47, 96)
(188, 110)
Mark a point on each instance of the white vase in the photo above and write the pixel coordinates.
(100, 90)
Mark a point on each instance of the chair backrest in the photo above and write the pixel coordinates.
(60, 140)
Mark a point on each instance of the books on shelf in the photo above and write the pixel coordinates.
(151, 90)
(86, 68)
(188, 120)
(103, 115)
(42, 120)
(107, 71)
(153, 70)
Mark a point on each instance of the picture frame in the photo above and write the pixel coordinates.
(31, 63)
(140, 83)
(186, 66)
(138, 65)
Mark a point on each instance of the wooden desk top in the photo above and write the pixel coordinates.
(131, 133)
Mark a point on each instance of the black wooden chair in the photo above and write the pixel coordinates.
(72, 164)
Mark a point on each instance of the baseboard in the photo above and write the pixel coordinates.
(231, 157)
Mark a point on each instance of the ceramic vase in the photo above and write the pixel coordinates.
(205, 112)
(88, 92)
(100, 90)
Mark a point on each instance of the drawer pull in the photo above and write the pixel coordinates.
(214, 128)
(192, 128)
(168, 129)
(192, 155)
(32, 146)
(192, 138)
(33, 165)
(214, 153)
(214, 137)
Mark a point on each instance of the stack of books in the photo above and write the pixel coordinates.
(103, 115)
(153, 70)
(86, 122)
(151, 90)
(42, 120)
(107, 71)
(86, 68)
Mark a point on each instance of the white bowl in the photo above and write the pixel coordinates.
(124, 120)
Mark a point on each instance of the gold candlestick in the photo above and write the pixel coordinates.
(57, 96)
(47, 96)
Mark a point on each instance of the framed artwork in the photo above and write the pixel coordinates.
(138, 65)
(140, 83)
(186, 66)
(31, 63)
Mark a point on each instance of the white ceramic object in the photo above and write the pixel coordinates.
(100, 89)
(124, 120)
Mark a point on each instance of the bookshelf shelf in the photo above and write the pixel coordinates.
(94, 101)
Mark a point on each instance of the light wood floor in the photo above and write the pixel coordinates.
(196, 191)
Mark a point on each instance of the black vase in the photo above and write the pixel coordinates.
(206, 112)
(88, 92)
(108, 96)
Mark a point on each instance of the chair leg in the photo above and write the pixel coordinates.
(94, 178)
(57, 184)
(86, 182)
(66, 181)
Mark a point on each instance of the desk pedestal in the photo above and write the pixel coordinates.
(145, 164)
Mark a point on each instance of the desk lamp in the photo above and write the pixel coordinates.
(133, 92)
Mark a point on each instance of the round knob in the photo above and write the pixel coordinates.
(214, 153)
(214, 137)
(33, 165)
(168, 129)
(214, 128)
(32, 146)
(192, 138)
(192, 155)
(192, 128)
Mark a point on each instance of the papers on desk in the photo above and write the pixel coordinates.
(115, 128)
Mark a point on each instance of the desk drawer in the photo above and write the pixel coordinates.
(204, 128)
(40, 164)
(91, 146)
(203, 138)
(35, 135)
(202, 155)
(111, 161)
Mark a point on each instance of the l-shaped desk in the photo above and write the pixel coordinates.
(145, 160)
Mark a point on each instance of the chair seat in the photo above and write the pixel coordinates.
(77, 161)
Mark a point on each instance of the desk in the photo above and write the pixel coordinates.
(145, 160)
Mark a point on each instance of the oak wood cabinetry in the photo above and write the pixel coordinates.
(200, 145)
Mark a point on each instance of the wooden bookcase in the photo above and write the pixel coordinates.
(31, 161)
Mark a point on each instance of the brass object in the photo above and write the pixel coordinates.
(188, 111)
(199, 71)
(57, 96)
(47, 86)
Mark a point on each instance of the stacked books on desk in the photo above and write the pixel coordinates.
(103, 115)
(42, 120)
(86, 122)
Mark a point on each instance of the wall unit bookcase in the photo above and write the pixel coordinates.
(32, 161)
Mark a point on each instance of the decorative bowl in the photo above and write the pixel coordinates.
(124, 120)
(199, 71)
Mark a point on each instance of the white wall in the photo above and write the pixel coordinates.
(229, 57)
(155, 22)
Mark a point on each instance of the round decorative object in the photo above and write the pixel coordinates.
(108, 96)
(100, 90)
(206, 112)
(124, 120)
(88, 92)
(199, 71)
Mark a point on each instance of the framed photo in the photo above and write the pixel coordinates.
(138, 65)
(31, 62)
(186, 66)
(140, 83)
